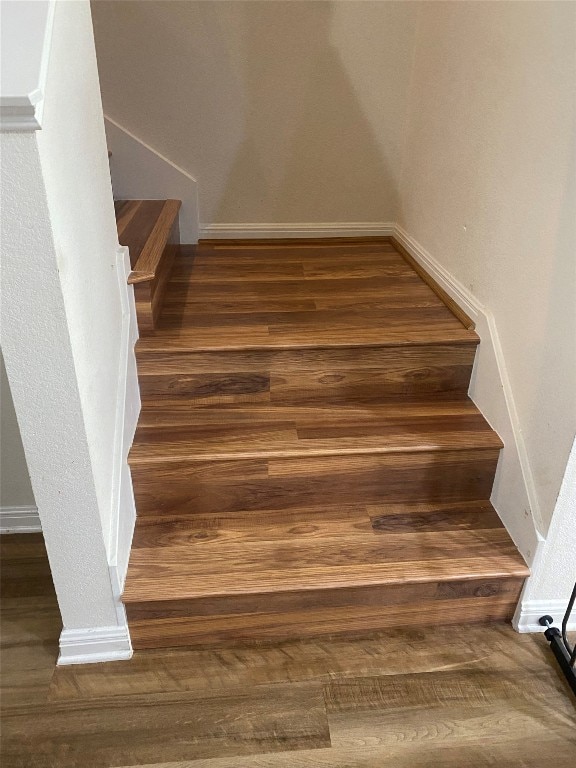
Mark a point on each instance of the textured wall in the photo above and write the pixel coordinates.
(556, 571)
(15, 488)
(489, 190)
(283, 111)
(72, 146)
(62, 318)
(40, 365)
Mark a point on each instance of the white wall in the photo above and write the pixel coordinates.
(66, 337)
(15, 488)
(140, 173)
(72, 147)
(488, 189)
(40, 366)
(282, 111)
(556, 571)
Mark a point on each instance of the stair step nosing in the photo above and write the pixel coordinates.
(142, 351)
(135, 459)
(521, 571)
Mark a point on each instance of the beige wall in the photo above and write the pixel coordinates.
(455, 119)
(15, 488)
(283, 111)
(488, 189)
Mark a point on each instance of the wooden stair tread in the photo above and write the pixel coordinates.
(187, 557)
(170, 430)
(144, 226)
(300, 297)
(180, 528)
(306, 459)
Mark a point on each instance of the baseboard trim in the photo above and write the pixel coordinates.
(455, 290)
(407, 246)
(529, 611)
(19, 520)
(94, 644)
(514, 495)
(270, 231)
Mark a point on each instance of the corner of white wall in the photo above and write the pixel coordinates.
(127, 411)
(548, 589)
(513, 495)
(94, 645)
(140, 173)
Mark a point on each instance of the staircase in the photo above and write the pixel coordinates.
(307, 460)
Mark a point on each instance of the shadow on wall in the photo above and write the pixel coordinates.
(311, 153)
(283, 111)
(558, 351)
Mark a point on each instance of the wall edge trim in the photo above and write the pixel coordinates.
(94, 644)
(19, 519)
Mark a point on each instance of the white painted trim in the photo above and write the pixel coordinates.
(529, 611)
(127, 411)
(94, 644)
(150, 149)
(445, 280)
(26, 34)
(138, 171)
(491, 390)
(23, 519)
(300, 229)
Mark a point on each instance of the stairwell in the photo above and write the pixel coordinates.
(307, 460)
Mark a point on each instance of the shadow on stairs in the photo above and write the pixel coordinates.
(307, 460)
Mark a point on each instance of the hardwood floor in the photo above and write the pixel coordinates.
(426, 697)
(307, 460)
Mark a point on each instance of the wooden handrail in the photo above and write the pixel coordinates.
(149, 258)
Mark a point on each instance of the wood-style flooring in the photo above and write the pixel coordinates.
(307, 459)
(421, 697)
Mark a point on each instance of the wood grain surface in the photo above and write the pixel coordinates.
(473, 696)
(144, 226)
(171, 430)
(304, 296)
(149, 228)
(318, 376)
(327, 482)
(307, 461)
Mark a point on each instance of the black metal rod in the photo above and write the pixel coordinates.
(562, 656)
(571, 651)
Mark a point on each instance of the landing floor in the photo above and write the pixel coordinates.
(455, 697)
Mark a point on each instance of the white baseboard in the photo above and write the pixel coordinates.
(514, 495)
(91, 645)
(529, 611)
(268, 231)
(445, 280)
(139, 172)
(19, 520)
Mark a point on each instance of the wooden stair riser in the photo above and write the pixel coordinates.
(279, 616)
(272, 484)
(293, 377)
(149, 296)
